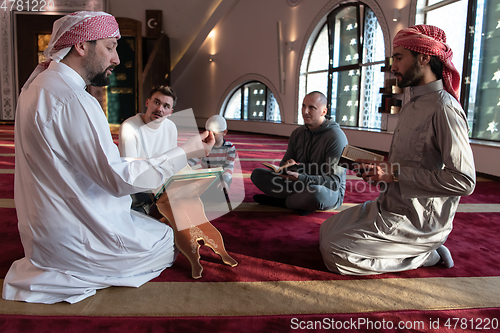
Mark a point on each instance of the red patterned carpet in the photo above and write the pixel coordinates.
(281, 283)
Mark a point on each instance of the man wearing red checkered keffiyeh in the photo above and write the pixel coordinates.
(72, 30)
(431, 41)
(430, 166)
(72, 189)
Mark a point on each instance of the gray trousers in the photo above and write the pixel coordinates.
(298, 195)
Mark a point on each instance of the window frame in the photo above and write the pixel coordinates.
(315, 31)
(329, 20)
(468, 58)
(241, 88)
(312, 48)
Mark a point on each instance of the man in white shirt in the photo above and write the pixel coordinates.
(147, 134)
(150, 133)
(72, 188)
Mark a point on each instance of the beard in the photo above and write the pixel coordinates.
(101, 79)
(96, 76)
(412, 77)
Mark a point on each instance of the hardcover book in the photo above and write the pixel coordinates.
(280, 169)
(188, 182)
(350, 154)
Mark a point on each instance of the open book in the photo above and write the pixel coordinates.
(277, 168)
(351, 153)
(192, 182)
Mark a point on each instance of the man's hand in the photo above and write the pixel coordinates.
(376, 171)
(290, 161)
(199, 145)
(290, 175)
(208, 140)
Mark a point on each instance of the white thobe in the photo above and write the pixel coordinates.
(414, 216)
(138, 139)
(72, 196)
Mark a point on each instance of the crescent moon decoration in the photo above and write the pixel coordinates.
(152, 23)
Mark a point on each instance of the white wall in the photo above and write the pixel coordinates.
(245, 42)
(182, 19)
(245, 46)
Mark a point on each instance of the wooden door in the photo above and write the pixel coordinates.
(28, 28)
(120, 99)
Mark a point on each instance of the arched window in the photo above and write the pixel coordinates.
(252, 101)
(344, 63)
(477, 22)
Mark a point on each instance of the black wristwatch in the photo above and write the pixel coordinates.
(395, 176)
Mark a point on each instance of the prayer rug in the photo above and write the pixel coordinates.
(281, 283)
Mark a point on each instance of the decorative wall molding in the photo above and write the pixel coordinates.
(7, 69)
(8, 90)
(69, 6)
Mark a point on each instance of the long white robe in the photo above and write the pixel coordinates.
(413, 217)
(72, 196)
